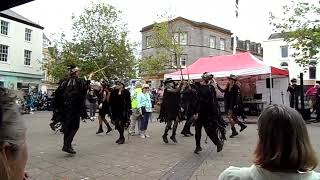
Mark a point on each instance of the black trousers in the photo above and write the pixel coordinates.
(294, 101)
(70, 128)
(211, 130)
(120, 126)
(174, 128)
(187, 125)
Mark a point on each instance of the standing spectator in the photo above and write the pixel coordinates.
(294, 90)
(92, 98)
(311, 94)
(13, 146)
(136, 114)
(145, 106)
(283, 152)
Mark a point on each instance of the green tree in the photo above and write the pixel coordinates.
(100, 40)
(167, 49)
(299, 23)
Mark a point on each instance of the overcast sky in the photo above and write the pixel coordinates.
(253, 21)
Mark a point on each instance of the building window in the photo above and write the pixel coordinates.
(247, 46)
(259, 49)
(183, 60)
(4, 53)
(222, 44)
(1, 84)
(312, 72)
(4, 27)
(27, 57)
(180, 38)
(148, 41)
(28, 34)
(284, 64)
(284, 51)
(212, 42)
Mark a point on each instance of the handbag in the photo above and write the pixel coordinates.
(143, 110)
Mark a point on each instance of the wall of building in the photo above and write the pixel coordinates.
(272, 56)
(14, 70)
(198, 42)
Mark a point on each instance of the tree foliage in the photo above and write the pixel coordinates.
(100, 39)
(299, 23)
(166, 49)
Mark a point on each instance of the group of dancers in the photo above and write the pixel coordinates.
(193, 102)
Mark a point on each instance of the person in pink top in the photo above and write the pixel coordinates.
(311, 94)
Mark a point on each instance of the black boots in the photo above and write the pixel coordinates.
(243, 127)
(100, 130)
(173, 138)
(165, 139)
(121, 140)
(197, 150)
(219, 147)
(68, 149)
(109, 128)
(234, 132)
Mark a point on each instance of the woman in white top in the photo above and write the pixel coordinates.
(283, 152)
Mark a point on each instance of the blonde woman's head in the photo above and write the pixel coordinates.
(13, 149)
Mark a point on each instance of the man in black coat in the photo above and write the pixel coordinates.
(207, 114)
(120, 105)
(294, 91)
(70, 94)
(188, 104)
(169, 110)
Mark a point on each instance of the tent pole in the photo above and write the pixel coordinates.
(270, 88)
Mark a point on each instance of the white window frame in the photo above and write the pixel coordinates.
(4, 28)
(183, 38)
(4, 55)
(182, 58)
(27, 57)
(180, 38)
(222, 45)
(285, 46)
(148, 41)
(212, 41)
(28, 35)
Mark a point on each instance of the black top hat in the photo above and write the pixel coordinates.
(233, 77)
(293, 80)
(167, 80)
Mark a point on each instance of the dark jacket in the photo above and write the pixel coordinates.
(207, 105)
(170, 105)
(120, 105)
(232, 97)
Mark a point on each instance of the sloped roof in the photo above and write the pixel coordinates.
(194, 23)
(9, 14)
(7, 4)
(277, 36)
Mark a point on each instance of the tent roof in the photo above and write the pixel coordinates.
(241, 64)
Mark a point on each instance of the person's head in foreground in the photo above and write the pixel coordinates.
(283, 151)
(13, 148)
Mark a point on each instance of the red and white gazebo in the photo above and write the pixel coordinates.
(243, 64)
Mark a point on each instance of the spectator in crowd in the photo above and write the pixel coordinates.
(92, 98)
(145, 106)
(13, 147)
(283, 152)
(136, 114)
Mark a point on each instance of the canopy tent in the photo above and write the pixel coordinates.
(243, 64)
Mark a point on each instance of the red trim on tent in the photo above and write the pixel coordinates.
(276, 71)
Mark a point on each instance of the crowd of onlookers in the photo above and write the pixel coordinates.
(36, 101)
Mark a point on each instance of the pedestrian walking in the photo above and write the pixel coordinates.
(136, 114)
(144, 105)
